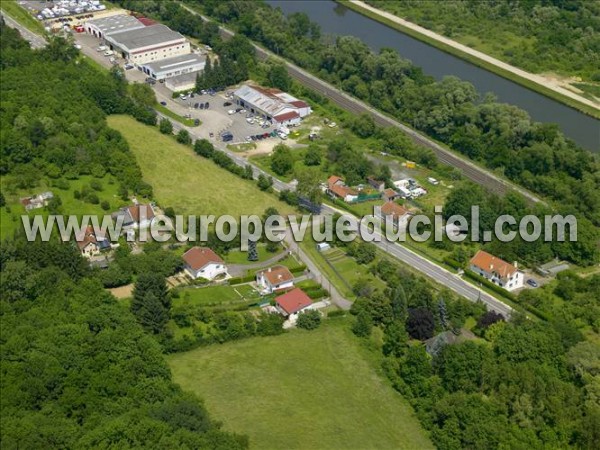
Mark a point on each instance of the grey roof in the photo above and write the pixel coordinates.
(176, 62)
(144, 37)
(182, 80)
(116, 24)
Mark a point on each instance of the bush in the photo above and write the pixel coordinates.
(165, 126)
(105, 205)
(183, 137)
(96, 185)
(309, 320)
(336, 313)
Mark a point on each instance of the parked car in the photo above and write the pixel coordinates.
(201, 105)
(206, 105)
(231, 111)
(102, 48)
(128, 66)
(109, 53)
(183, 96)
(196, 122)
(227, 104)
(196, 105)
(77, 46)
(163, 103)
(531, 282)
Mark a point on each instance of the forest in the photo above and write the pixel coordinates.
(512, 384)
(78, 371)
(539, 36)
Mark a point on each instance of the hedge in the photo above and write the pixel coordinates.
(493, 287)
(240, 280)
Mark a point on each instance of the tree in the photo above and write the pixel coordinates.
(151, 314)
(395, 339)
(489, 318)
(363, 252)
(252, 253)
(420, 323)
(363, 125)
(309, 184)
(204, 148)
(183, 137)
(443, 313)
(309, 320)
(154, 283)
(165, 126)
(264, 183)
(282, 160)
(313, 155)
(362, 324)
(278, 77)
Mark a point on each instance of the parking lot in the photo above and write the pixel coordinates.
(219, 117)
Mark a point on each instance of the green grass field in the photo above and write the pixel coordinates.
(22, 16)
(11, 220)
(216, 295)
(189, 183)
(301, 390)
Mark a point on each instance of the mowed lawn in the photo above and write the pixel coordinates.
(300, 390)
(187, 182)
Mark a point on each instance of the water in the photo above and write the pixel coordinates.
(336, 19)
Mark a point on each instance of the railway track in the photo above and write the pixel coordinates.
(470, 170)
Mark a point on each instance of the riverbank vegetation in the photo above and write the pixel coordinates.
(556, 37)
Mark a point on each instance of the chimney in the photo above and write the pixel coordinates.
(491, 267)
(269, 269)
(516, 264)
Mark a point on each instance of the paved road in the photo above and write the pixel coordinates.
(35, 40)
(349, 103)
(414, 260)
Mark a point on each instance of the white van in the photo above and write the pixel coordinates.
(109, 53)
(102, 48)
(433, 181)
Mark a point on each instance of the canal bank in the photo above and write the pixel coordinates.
(526, 79)
(336, 19)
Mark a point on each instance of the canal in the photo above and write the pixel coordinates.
(336, 19)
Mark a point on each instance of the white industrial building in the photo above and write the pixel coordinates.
(117, 23)
(277, 106)
(172, 67)
(145, 45)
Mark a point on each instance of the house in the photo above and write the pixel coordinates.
(389, 195)
(202, 262)
(496, 270)
(148, 43)
(277, 106)
(293, 303)
(337, 188)
(91, 243)
(36, 201)
(435, 344)
(398, 214)
(135, 216)
(274, 279)
(376, 184)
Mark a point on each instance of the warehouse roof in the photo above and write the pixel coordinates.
(116, 24)
(145, 37)
(176, 62)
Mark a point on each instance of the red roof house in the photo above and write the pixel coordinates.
(292, 302)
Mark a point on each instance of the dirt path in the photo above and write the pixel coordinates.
(549, 82)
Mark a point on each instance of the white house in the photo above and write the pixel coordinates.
(274, 279)
(496, 270)
(90, 243)
(279, 107)
(202, 262)
(292, 304)
(135, 216)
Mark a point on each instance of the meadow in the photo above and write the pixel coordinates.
(187, 182)
(301, 390)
